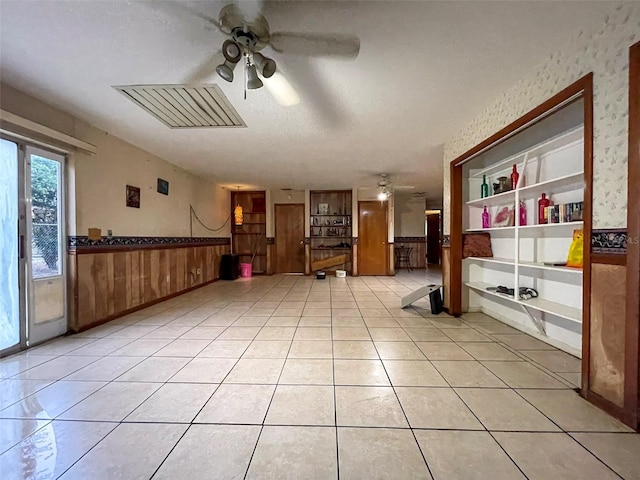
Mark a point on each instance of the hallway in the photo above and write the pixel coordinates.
(291, 377)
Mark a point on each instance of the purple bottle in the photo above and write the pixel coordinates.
(523, 214)
(485, 218)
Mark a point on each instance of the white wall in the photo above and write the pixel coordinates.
(96, 184)
(409, 216)
(605, 52)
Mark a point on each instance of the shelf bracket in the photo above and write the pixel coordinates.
(538, 323)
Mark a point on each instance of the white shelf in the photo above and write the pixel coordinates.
(550, 187)
(547, 228)
(554, 308)
(501, 261)
(532, 265)
(492, 229)
(506, 198)
(541, 266)
(557, 185)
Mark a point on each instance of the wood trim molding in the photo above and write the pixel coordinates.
(632, 323)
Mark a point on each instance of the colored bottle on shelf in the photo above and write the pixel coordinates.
(523, 213)
(485, 218)
(514, 177)
(484, 188)
(543, 203)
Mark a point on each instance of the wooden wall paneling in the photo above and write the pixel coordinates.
(173, 270)
(120, 282)
(608, 296)
(86, 290)
(99, 272)
(113, 283)
(111, 274)
(72, 290)
(147, 291)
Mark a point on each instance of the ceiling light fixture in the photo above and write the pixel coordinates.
(244, 44)
(238, 213)
(384, 193)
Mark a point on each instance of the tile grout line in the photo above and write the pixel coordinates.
(395, 393)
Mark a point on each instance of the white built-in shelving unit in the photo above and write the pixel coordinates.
(524, 254)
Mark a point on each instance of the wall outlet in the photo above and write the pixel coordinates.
(168, 278)
(198, 271)
(109, 233)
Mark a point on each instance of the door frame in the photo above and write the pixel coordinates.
(50, 328)
(275, 236)
(386, 236)
(631, 408)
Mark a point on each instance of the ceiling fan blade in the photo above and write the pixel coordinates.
(205, 70)
(315, 45)
(307, 81)
(282, 90)
(403, 187)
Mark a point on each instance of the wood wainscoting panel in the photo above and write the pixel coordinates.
(112, 283)
(608, 297)
(418, 245)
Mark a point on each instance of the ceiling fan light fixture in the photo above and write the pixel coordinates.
(231, 51)
(253, 81)
(225, 70)
(384, 194)
(266, 66)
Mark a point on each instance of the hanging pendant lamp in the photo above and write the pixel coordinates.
(238, 213)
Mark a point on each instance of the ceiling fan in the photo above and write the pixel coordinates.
(248, 34)
(386, 187)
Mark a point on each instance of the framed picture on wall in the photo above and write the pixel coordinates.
(163, 187)
(133, 196)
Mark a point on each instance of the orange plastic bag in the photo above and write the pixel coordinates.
(576, 250)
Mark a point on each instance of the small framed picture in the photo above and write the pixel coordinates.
(133, 196)
(323, 208)
(163, 187)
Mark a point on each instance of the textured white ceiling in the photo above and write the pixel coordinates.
(424, 69)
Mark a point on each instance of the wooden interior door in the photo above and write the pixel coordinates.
(433, 238)
(289, 238)
(372, 238)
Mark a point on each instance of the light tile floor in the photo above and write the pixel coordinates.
(291, 377)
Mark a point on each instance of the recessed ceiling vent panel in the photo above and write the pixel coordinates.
(185, 106)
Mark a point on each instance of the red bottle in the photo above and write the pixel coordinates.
(543, 203)
(514, 178)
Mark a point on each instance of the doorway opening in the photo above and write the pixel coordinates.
(32, 227)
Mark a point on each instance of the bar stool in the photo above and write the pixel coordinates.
(403, 257)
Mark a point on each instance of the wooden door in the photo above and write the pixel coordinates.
(433, 238)
(289, 238)
(372, 238)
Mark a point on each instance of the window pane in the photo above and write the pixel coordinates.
(45, 190)
(9, 286)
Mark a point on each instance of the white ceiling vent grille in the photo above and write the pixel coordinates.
(185, 106)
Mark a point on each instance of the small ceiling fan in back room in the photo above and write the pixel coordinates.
(249, 38)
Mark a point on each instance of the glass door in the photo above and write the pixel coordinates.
(10, 324)
(45, 255)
